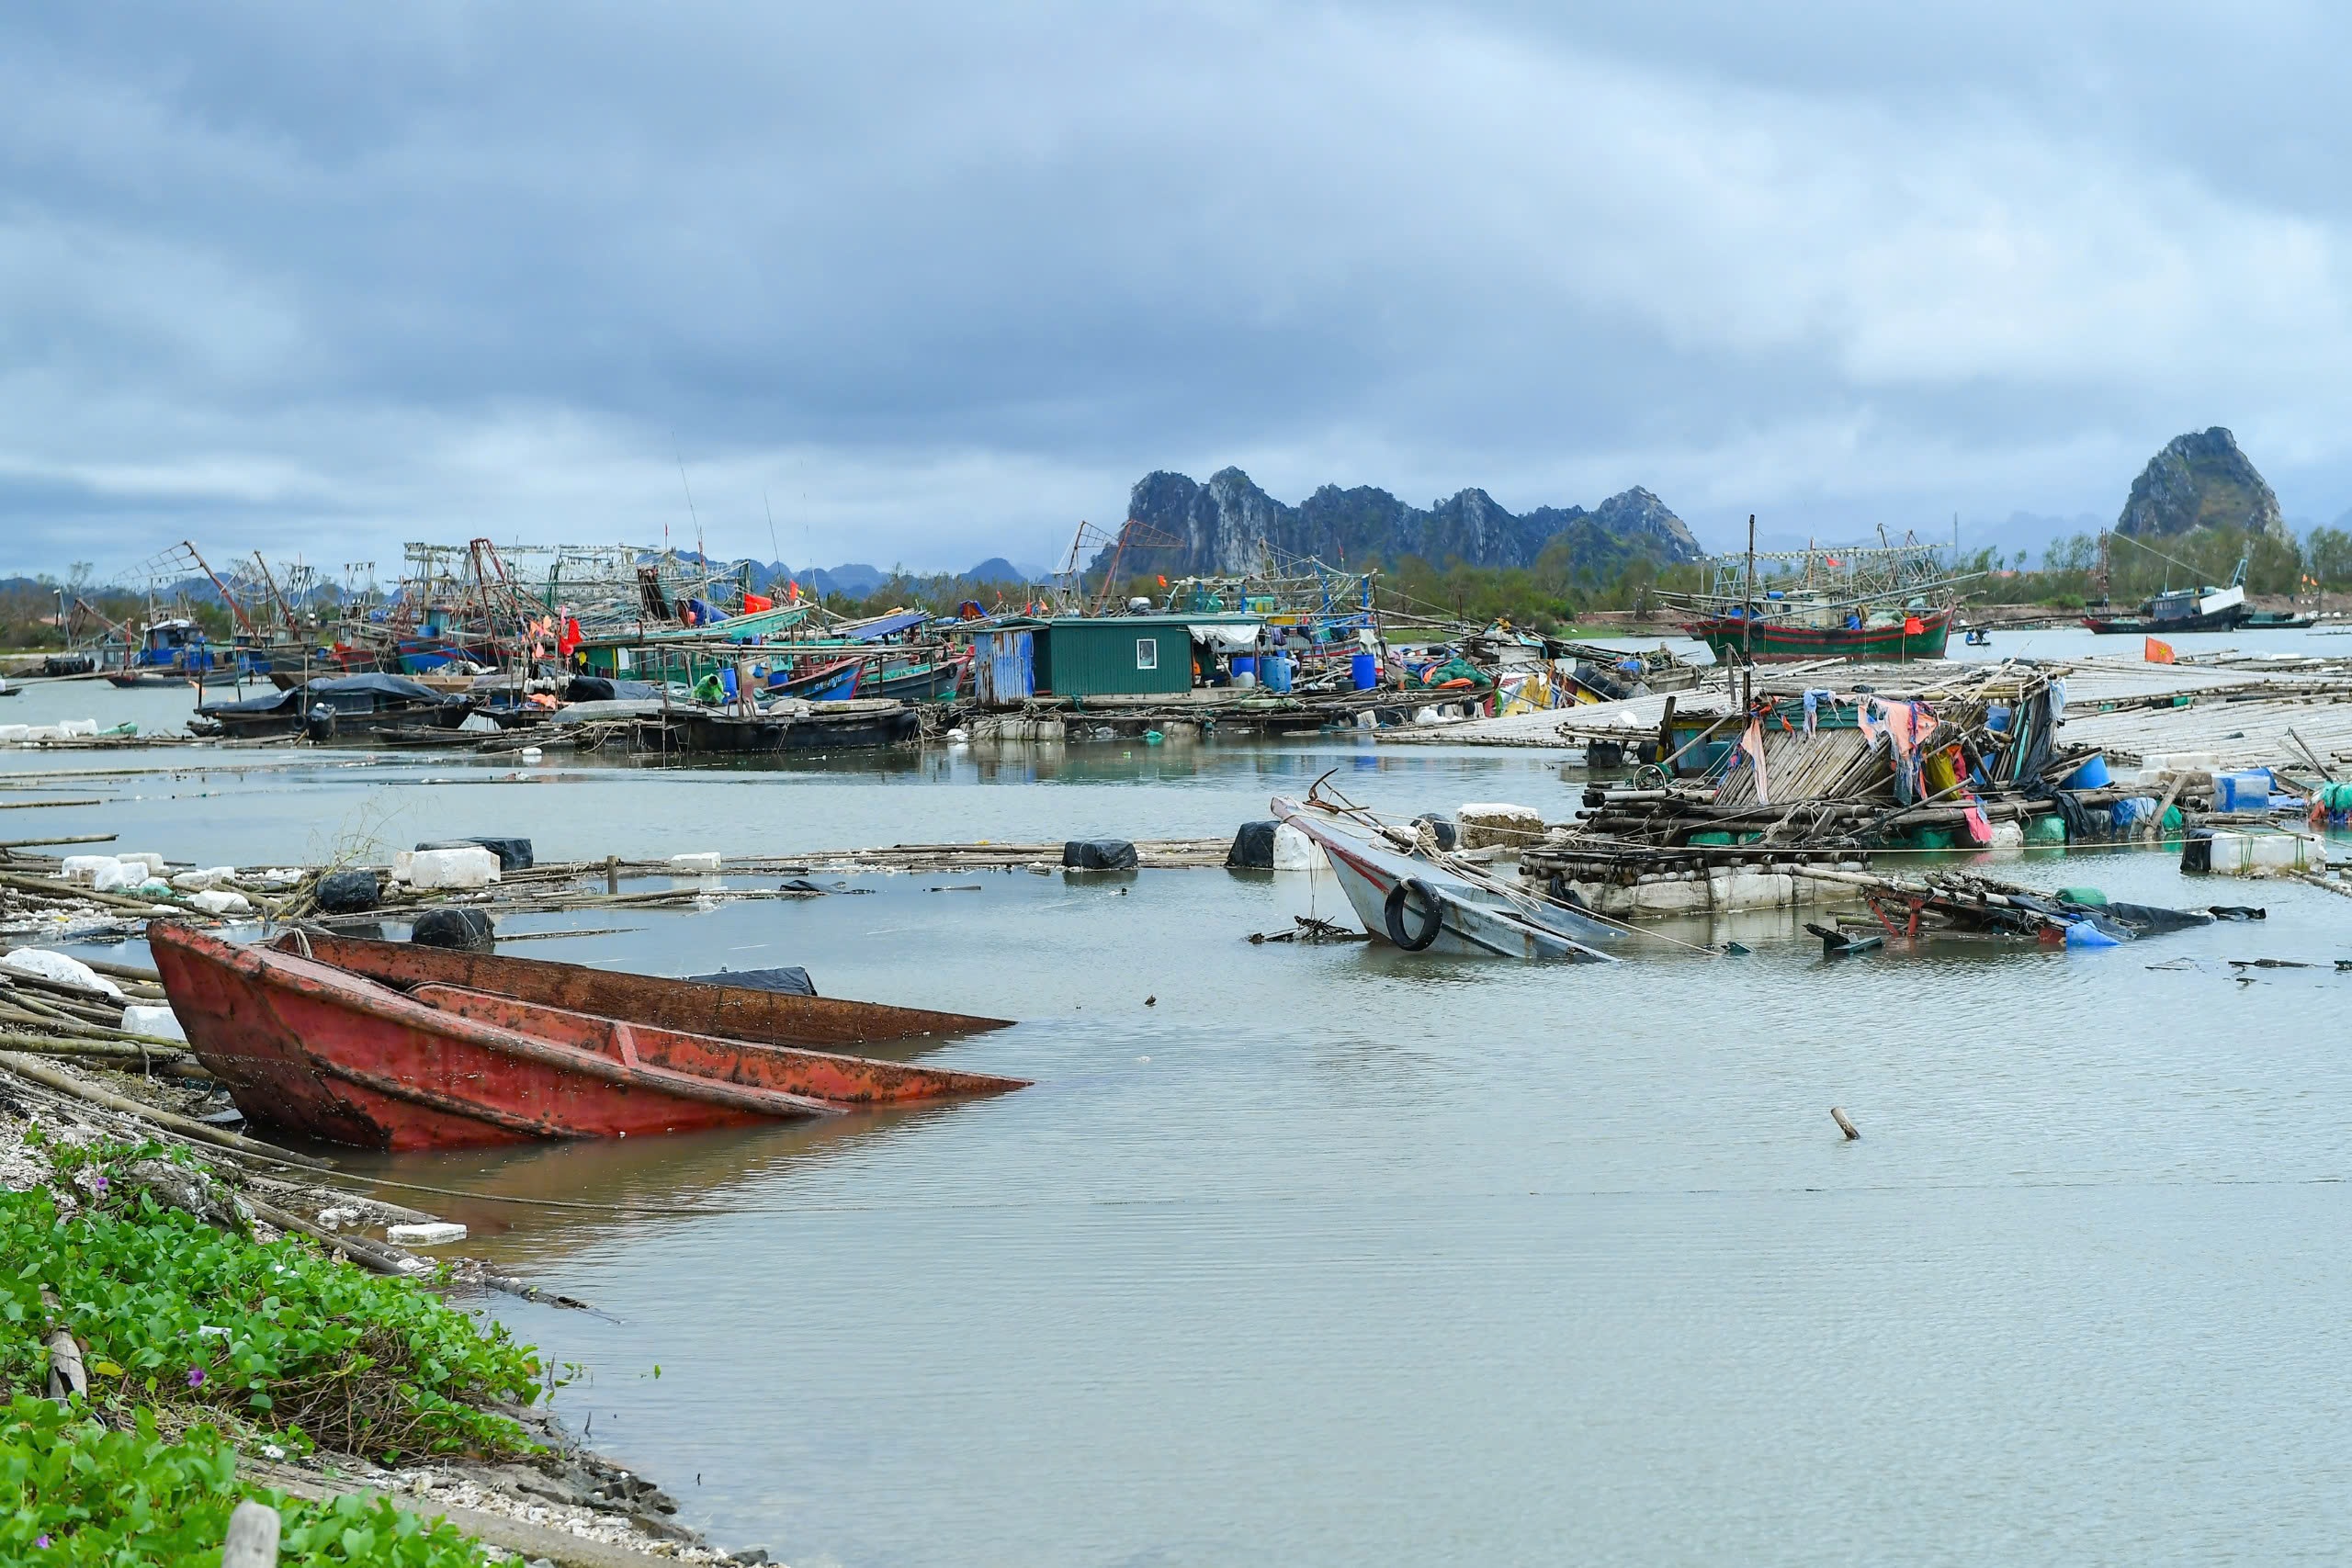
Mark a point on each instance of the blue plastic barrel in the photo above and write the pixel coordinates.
(2092, 774)
(1276, 673)
(1245, 664)
(1365, 669)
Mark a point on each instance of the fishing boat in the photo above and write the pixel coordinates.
(1409, 901)
(395, 1045)
(1776, 638)
(2178, 610)
(794, 726)
(2276, 620)
(171, 652)
(1893, 602)
(348, 705)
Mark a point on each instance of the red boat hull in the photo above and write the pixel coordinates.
(313, 1049)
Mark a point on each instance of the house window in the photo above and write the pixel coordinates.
(1147, 653)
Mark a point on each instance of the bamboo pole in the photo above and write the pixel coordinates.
(25, 1067)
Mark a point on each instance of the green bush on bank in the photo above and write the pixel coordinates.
(72, 1492)
(169, 1310)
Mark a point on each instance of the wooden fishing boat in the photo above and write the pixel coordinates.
(394, 1045)
(1890, 603)
(1774, 640)
(805, 727)
(1413, 903)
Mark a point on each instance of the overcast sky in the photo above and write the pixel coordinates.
(937, 281)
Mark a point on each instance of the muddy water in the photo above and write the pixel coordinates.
(1335, 1255)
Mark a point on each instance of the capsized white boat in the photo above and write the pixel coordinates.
(1413, 902)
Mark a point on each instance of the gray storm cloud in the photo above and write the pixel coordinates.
(937, 281)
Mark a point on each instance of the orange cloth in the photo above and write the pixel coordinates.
(2158, 652)
(1911, 625)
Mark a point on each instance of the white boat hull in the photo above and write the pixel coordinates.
(1469, 921)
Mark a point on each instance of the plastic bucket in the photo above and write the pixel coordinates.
(1364, 669)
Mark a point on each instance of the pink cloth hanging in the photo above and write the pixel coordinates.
(1753, 744)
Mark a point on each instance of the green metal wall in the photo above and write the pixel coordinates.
(1099, 660)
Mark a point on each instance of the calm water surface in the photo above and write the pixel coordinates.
(1337, 1256)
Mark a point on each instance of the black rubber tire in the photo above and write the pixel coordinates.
(1394, 911)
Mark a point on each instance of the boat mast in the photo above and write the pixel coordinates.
(1747, 619)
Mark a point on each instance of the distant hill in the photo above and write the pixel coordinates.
(1229, 525)
(2200, 481)
(996, 569)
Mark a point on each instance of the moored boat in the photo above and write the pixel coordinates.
(394, 1045)
(795, 726)
(1771, 640)
(1888, 602)
(2182, 609)
(349, 705)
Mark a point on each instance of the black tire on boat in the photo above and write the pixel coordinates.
(1394, 911)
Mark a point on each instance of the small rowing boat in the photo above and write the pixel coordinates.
(1409, 901)
(394, 1045)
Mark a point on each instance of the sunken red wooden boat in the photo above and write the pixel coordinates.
(393, 1046)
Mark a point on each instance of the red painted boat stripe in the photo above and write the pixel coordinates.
(626, 1038)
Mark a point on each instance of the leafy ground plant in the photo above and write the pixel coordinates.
(169, 1310)
(75, 1495)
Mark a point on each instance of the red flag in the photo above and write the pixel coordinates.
(2158, 652)
(755, 603)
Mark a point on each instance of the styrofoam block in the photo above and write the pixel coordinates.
(77, 728)
(148, 858)
(2260, 853)
(221, 901)
(211, 877)
(1293, 851)
(81, 868)
(57, 967)
(700, 860)
(1497, 825)
(159, 1021)
(472, 866)
(114, 875)
(433, 1233)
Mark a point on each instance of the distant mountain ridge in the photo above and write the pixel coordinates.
(856, 579)
(1229, 525)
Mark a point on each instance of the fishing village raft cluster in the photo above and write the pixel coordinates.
(653, 652)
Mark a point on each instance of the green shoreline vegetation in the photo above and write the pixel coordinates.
(198, 1341)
